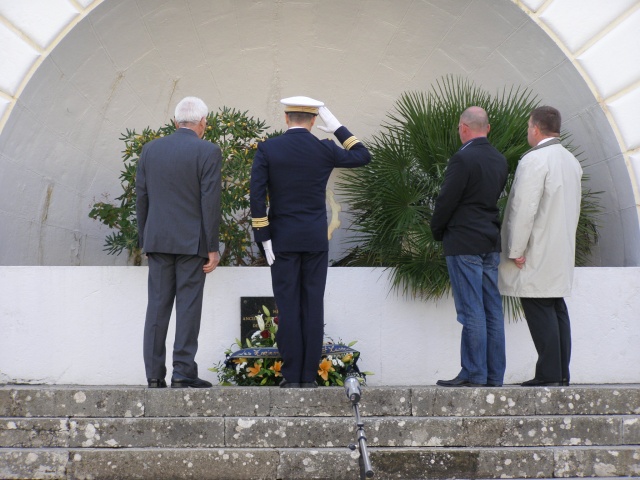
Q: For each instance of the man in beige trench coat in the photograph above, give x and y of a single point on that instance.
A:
(538, 243)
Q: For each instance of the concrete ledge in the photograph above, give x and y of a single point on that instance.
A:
(170, 464)
(330, 464)
(207, 402)
(314, 432)
(33, 463)
(126, 402)
(84, 326)
(597, 462)
(515, 400)
(39, 401)
(287, 434)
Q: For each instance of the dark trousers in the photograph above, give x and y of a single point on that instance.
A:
(299, 280)
(178, 277)
(548, 320)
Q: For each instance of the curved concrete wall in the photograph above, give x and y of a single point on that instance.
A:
(77, 73)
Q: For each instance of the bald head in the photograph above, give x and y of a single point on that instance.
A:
(474, 122)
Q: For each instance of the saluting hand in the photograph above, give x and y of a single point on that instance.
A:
(331, 122)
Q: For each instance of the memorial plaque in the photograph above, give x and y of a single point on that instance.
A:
(249, 308)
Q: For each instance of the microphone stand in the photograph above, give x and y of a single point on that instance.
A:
(352, 389)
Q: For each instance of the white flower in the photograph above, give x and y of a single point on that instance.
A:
(260, 320)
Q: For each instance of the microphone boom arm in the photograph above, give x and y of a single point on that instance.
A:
(352, 389)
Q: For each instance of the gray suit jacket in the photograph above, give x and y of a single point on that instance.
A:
(178, 187)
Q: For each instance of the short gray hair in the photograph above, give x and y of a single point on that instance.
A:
(191, 110)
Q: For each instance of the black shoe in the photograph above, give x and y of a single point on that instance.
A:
(458, 382)
(286, 384)
(313, 384)
(493, 385)
(183, 382)
(156, 383)
(540, 383)
(565, 382)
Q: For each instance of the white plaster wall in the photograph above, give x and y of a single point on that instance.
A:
(74, 74)
(83, 325)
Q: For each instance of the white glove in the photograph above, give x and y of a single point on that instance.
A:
(268, 252)
(331, 122)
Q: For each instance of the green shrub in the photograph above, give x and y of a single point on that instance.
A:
(392, 198)
(238, 135)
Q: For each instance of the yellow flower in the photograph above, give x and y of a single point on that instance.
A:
(255, 370)
(347, 358)
(276, 368)
(238, 361)
(325, 368)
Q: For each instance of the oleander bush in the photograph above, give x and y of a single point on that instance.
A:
(238, 135)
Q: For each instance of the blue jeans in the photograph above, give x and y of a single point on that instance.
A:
(474, 282)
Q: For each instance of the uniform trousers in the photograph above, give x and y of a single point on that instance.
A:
(548, 321)
(299, 280)
(178, 277)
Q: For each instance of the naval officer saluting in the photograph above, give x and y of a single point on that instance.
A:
(292, 170)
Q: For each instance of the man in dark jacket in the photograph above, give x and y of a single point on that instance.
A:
(292, 170)
(466, 220)
(178, 206)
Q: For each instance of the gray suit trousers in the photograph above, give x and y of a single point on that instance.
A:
(178, 277)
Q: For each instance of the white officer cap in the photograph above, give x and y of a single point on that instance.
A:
(301, 104)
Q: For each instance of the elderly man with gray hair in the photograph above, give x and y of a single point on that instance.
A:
(178, 186)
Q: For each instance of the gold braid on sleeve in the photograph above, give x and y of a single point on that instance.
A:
(350, 142)
(260, 222)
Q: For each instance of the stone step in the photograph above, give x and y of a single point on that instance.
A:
(74, 401)
(72, 432)
(319, 432)
(329, 463)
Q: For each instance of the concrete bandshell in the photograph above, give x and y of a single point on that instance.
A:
(101, 67)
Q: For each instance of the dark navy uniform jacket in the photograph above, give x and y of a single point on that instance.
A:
(466, 216)
(292, 170)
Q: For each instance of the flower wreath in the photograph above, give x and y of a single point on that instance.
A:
(258, 362)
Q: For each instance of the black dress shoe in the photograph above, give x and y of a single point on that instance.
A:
(156, 383)
(286, 384)
(313, 384)
(534, 382)
(565, 382)
(183, 382)
(458, 382)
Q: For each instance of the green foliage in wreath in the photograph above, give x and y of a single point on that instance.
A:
(238, 135)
